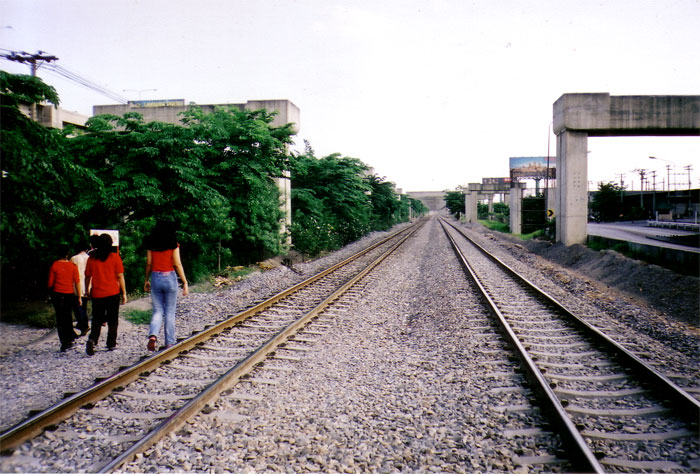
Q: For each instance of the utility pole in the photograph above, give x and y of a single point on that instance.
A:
(34, 64)
(690, 198)
(32, 59)
(653, 205)
(641, 172)
(622, 185)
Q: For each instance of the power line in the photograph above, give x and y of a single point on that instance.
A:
(61, 71)
(40, 58)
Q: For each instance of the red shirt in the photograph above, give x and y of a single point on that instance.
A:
(162, 261)
(62, 275)
(104, 275)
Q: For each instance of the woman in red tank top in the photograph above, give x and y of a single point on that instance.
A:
(163, 266)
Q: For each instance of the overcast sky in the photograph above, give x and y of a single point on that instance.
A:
(432, 94)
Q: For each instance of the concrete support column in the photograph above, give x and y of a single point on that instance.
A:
(284, 185)
(551, 200)
(516, 208)
(490, 198)
(572, 187)
(470, 208)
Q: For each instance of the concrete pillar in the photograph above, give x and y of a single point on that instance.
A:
(284, 185)
(490, 197)
(551, 200)
(516, 208)
(470, 208)
(572, 187)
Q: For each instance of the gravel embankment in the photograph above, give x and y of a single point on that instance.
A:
(35, 375)
(397, 383)
(645, 320)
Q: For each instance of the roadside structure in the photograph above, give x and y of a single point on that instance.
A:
(476, 192)
(51, 116)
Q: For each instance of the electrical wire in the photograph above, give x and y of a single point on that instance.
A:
(61, 71)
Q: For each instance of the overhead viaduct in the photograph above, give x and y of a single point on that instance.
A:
(579, 116)
(433, 200)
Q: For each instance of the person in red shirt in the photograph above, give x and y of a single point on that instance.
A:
(163, 266)
(64, 282)
(104, 276)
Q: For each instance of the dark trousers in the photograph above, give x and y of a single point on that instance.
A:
(105, 310)
(80, 312)
(63, 304)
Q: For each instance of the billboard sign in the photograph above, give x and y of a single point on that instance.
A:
(158, 103)
(533, 167)
(498, 181)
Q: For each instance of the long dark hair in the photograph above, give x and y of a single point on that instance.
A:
(162, 237)
(104, 247)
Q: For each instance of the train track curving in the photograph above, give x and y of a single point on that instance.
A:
(124, 414)
(613, 411)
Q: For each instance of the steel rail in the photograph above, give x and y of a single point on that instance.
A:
(241, 369)
(36, 424)
(685, 405)
(581, 455)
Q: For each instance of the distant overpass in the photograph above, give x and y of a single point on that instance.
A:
(433, 200)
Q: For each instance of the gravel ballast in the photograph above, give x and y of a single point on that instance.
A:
(400, 381)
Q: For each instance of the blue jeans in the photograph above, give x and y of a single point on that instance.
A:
(164, 298)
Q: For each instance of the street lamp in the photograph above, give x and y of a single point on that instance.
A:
(140, 91)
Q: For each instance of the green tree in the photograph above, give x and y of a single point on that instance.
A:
(502, 212)
(147, 171)
(384, 203)
(214, 176)
(417, 207)
(244, 154)
(330, 201)
(606, 205)
(40, 183)
(454, 202)
(482, 210)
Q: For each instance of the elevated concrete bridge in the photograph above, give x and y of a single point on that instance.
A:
(578, 116)
(433, 200)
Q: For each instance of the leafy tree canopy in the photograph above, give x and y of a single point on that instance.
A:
(606, 205)
(215, 175)
(335, 201)
(454, 202)
(39, 179)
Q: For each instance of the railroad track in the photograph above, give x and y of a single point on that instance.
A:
(613, 411)
(122, 415)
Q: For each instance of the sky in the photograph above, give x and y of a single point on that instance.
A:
(431, 94)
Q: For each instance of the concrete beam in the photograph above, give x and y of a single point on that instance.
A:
(495, 188)
(603, 115)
